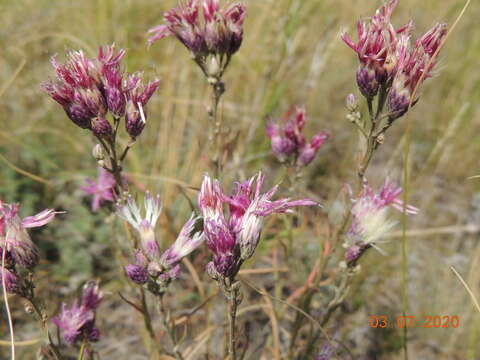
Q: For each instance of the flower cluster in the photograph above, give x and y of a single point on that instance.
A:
(16, 246)
(78, 321)
(370, 220)
(101, 190)
(234, 238)
(388, 60)
(288, 141)
(206, 29)
(88, 89)
(152, 268)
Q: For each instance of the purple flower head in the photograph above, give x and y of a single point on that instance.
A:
(12, 282)
(389, 60)
(89, 88)
(376, 49)
(18, 241)
(77, 88)
(221, 240)
(101, 127)
(138, 94)
(234, 238)
(138, 272)
(78, 321)
(205, 29)
(100, 190)
(145, 225)
(370, 218)
(415, 66)
(186, 242)
(170, 275)
(288, 140)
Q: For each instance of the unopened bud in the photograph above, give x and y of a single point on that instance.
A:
(351, 103)
(380, 139)
(212, 80)
(213, 69)
(101, 127)
(98, 153)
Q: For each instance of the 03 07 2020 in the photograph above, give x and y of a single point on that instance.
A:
(411, 321)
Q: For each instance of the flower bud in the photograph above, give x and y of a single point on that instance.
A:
(137, 273)
(101, 127)
(367, 81)
(116, 101)
(398, 100)
(98, 153)
(213, 68)
(134, 123)
(79, 116)
(351, 103)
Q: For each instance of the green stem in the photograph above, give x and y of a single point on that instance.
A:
(232, 292)
(39, 311)
(169, 328)
(216, 123)
(82, 349)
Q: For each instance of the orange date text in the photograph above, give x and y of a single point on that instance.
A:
(410, 321)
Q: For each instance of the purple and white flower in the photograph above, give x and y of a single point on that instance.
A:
(289, 142)
(205, 29)
(89, 88)
(78, 321)
(101, 190)
(233, 238)
(14, 236)
(144, 224)
(371, 220)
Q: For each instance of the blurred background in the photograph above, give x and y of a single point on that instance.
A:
(292, 54)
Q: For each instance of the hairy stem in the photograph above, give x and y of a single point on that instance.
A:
(42, 317)
(216, 123)
(232, 290)
(170, 328)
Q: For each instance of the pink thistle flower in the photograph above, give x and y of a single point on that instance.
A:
(377, 49)
(89, 88)
(205, 29)
(101, 190)
(15, 236)
(370, 218)
(234, 238)
(415, 66)
(288, 141)
(161, 270)
(138, 95)
(145, 225)
(184, 245)
(78, 321)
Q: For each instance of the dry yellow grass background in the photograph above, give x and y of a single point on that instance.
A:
(292, 54)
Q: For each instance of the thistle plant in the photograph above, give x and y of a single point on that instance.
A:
(153, 270)
(19, 257)
(233, 238)
(290, 145)
(370, 222)
(212, 34)
(99, 96)
(91, 89)
(391, 70)
(77, 323)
